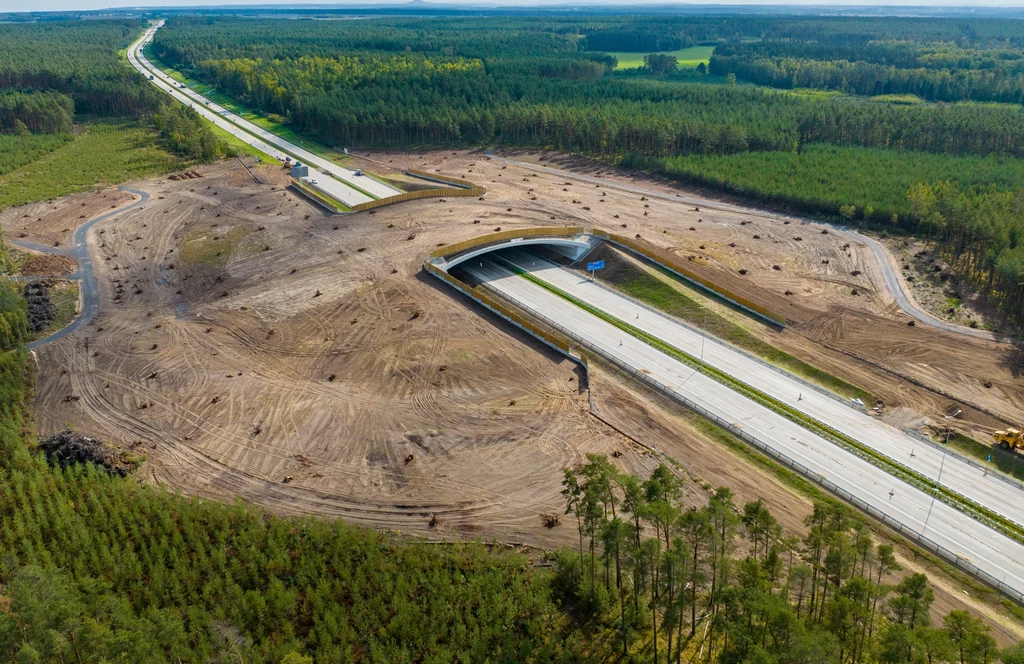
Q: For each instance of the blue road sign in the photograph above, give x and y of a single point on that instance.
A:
(596, 265)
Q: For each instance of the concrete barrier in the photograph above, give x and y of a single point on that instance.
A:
(503, 236)
(459, 188)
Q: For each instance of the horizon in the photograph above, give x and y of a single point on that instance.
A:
(942, 6)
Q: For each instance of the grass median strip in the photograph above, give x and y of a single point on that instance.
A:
(891, 466)
(660, 292)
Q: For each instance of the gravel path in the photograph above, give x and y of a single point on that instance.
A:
(79, 250)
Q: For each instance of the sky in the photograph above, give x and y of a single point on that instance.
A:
(65, 5)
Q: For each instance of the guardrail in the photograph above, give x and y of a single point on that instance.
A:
(491, 238)
(315, 196)
(673, 266)
(459, 188)
(998, 474)
(955, 559)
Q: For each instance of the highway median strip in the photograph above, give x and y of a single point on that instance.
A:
(886, 463)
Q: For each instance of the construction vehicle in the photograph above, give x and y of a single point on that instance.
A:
(1009, 439)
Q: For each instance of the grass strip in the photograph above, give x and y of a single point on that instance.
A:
(662, 296)
(891, 466)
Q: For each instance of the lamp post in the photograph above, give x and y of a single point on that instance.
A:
(703, 333)
(938, 483)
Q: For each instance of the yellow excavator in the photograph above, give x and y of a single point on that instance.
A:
(1009, 439)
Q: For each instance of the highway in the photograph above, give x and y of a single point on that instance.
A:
(991, 551)
(986, 489)
(348, 186)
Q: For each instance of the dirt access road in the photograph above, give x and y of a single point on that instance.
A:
(79, 251)
(895, 285)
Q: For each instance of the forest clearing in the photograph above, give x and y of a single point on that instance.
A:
(301, 360)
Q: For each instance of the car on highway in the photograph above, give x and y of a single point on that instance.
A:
(359, 171)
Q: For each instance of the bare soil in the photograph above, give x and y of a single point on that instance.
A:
(304, 362)
(45, 265)
(934, 287)
(52, 223)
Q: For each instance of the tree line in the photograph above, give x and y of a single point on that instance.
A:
(724, 583)
(51, 71)
(35, 112)
(80, 59)
(864, 78)
(979, 233)
(186, 133)
(403, 82)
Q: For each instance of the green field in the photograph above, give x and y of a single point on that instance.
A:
(16, 151)
(688, 58)
(105, 153)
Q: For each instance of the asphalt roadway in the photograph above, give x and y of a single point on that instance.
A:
(967, 538)
(892, 281)
(347, 190)
(79, 250)
(968, 480)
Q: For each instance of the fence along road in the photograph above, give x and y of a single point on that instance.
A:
(964, 478)
(259, 138)
(999, 558)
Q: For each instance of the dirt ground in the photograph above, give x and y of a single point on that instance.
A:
(254, 346)
(44, 265)
(930, 280)
(51, 223)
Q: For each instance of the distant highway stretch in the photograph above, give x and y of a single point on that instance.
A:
(986, 548)
(345, 185)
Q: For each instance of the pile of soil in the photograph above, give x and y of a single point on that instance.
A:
(68, 447)
(48, 265)
(40, 310)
